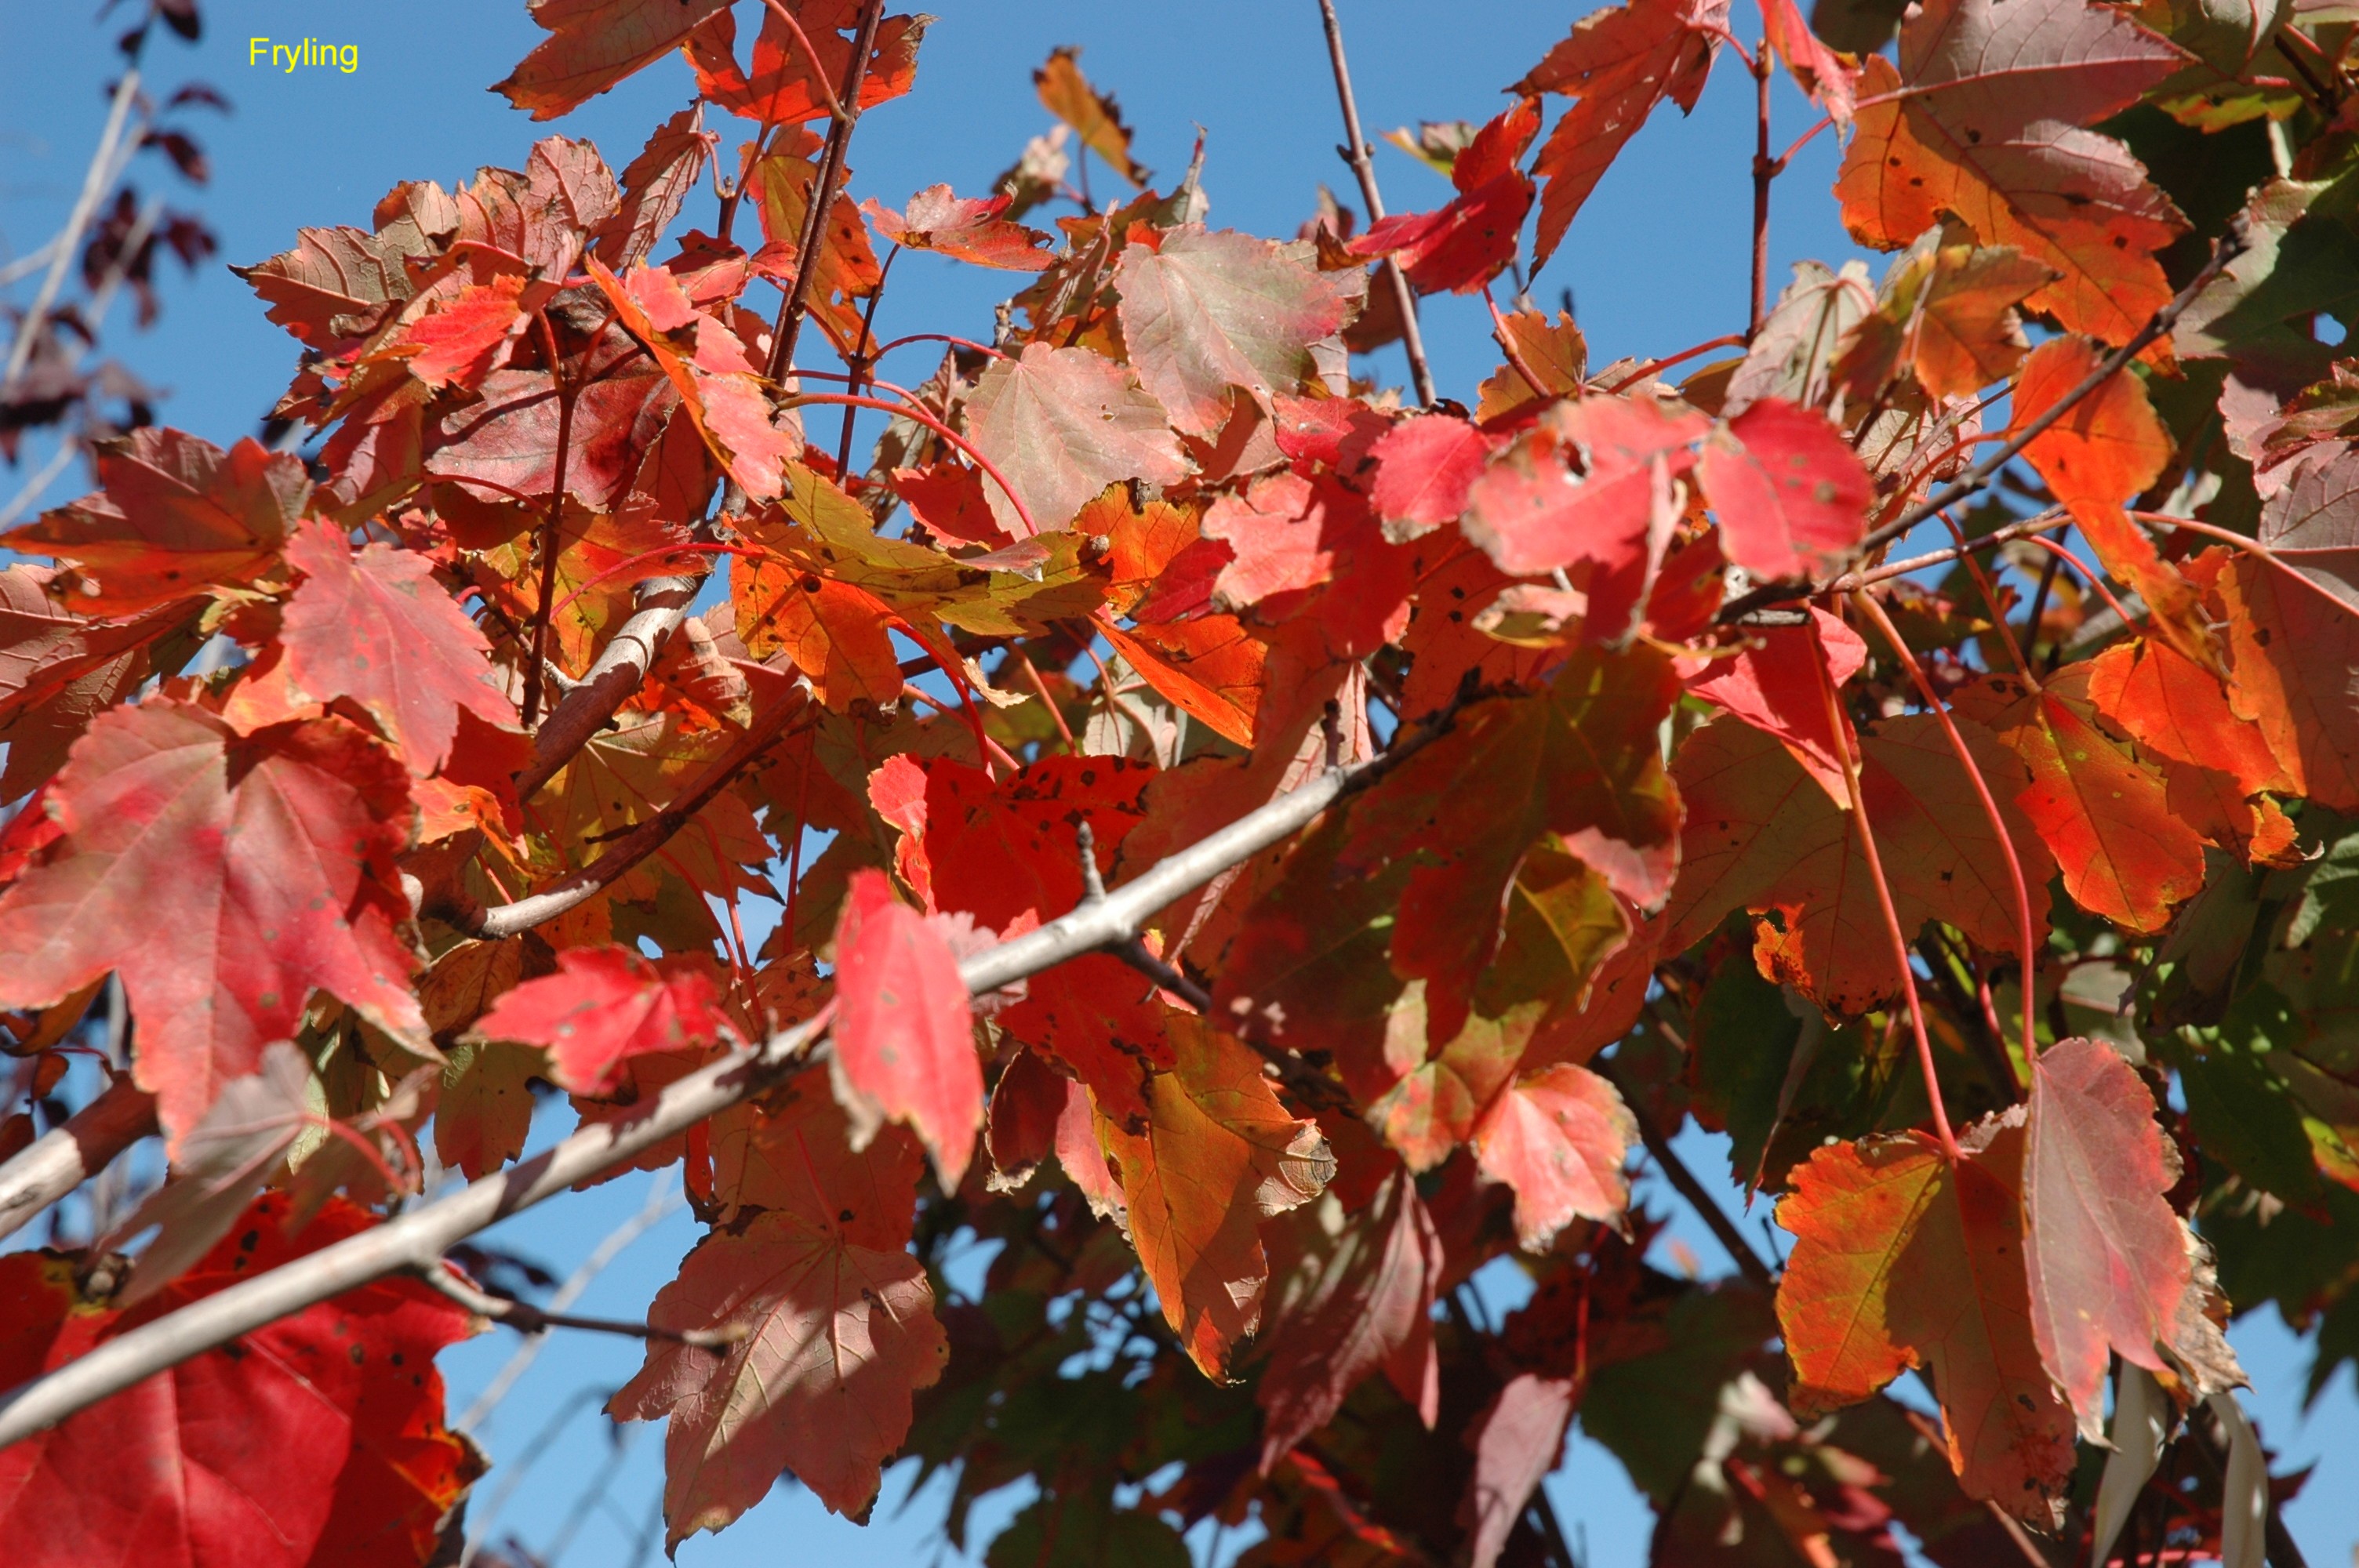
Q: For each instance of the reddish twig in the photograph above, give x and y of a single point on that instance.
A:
(1364, 168)
(1056, 714)
(2089, 575)
(955, 342)
(2024, 925)
(544, 607)
(792, 309)
(1899, 939)
(1763, 172)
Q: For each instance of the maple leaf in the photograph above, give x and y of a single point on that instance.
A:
(456, 342)
(973, 230)
(1067, 93)
(2106, 814)
(789, 85)
(838, 1320)
(1559, 1137)
(1203, 312)
(2291, 647)
(1790, 494)
(173, 515)
(58, 671)
(833, 633)
(1982, 120)
(904, 1033)
(1061, 425)
(1530, 514)
(2215, 764)
(1289, 535)
(1948, 313)
(317, 1439)
(714, 376)
(1775, 684)
(604, 1006)
(509, 438)
(1517, 1440)
(1460, 247)
(1580, 761)
(1830, 76)
(222, 877)
(1217, 1156)
(1350, 1295)
(592, 45)
(1903, 1259)
(334, 285)
(223, 1161)
(1617, 67)
(1553, 351)
(654, 186)
(375, 626)
(1008, 853)
(1426, 468)
(2312, 523)
(1761, 835)
(2105, 1260)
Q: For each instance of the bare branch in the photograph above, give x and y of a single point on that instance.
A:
(420, 1239)
(1743, 608)
(60, 1161)
(661, 604)
(1355, 153)
(105, 168)
(1733, 1241)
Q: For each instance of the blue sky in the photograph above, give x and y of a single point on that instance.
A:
(1657, 261)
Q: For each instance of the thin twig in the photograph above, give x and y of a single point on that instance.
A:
(422, 1237)
(526, 1318)
(1355, 153)
(663, 1196)
(2223, 251)
(552, 536)
(791, 309)
(1763, 172)
(1738, 609)
(1733, 1241)
(104, 169)
(511, 919)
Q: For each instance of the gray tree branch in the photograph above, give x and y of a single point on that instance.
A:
(65, 1157)
(416, 1242)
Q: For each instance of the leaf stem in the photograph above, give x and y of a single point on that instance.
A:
(1354, 152)
(1899, 939)
(1023, 513)
(835, 108)
(2026, 949)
